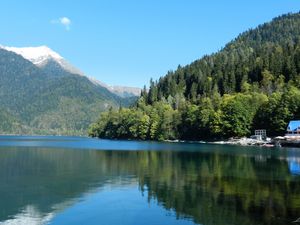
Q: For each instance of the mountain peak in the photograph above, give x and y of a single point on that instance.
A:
(53, 63)
(37, 55)
(42, 55)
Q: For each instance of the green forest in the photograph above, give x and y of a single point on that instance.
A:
(251, 83)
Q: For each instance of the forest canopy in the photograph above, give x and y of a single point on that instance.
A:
(252, 83)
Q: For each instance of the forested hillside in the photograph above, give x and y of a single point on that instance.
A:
(48, 100)
(253, 82)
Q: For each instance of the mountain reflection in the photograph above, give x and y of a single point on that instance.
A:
(209, 188)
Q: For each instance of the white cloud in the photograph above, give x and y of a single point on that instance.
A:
(65, 21)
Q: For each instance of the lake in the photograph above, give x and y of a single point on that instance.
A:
(74, 180)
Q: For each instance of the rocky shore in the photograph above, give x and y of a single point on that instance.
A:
(288, 141)
(246, 142)
(280, 141)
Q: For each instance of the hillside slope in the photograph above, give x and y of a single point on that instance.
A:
(253, 82)
(48, 99)
(272, 46)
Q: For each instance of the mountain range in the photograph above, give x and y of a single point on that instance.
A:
(42, 93)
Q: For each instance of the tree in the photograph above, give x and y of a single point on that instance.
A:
(267, 81)
(143, 129)
(237, 116)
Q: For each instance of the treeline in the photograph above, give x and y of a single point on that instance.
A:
(273, 47)
(215, 116)
(252, 83)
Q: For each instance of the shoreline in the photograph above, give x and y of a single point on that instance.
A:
(276, 142)
(231, 141)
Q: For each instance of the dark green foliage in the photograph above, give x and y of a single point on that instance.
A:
(281, 107)
(253, 82)
(237, 114)
(258, 55)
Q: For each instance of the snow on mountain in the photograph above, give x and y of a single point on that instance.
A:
(36, 55)
(42, 55)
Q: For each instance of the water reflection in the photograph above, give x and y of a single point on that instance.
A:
(56, 185)
(294, 163)
(29, 215)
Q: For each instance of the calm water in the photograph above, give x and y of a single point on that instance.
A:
(67, 180)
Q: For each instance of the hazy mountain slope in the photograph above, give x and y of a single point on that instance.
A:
(122, 91)
(48, 99)
(19, 79)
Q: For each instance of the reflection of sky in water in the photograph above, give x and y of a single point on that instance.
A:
(124, 206)
(114, 205)
(293, 159)
(294, 167)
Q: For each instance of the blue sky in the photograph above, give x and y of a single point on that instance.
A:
(128, 42)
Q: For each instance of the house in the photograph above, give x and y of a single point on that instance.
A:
(293, 128)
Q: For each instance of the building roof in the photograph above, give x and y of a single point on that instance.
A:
(293, 125)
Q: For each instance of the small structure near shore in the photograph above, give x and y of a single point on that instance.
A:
(293, 129)
(260, 135)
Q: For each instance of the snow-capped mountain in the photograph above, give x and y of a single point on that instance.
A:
(48, 99)
(53, 63)
(42, 56)
(37, 55)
